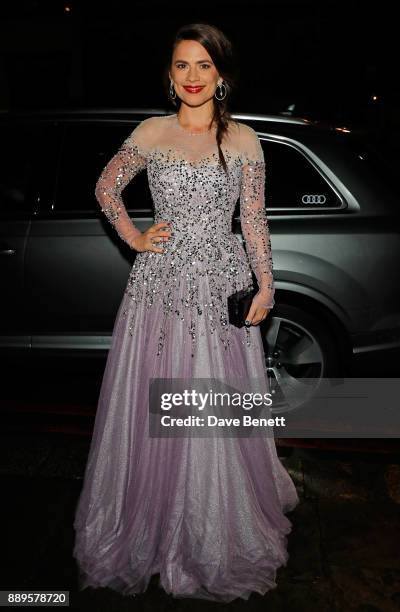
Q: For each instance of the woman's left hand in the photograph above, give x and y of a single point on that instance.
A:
(258, 310)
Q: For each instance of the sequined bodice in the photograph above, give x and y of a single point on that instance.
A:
(199, 200)
(191, 189)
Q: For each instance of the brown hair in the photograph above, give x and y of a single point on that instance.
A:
(221, 52)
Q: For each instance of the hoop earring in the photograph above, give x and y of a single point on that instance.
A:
(220, 90)
(172, 92)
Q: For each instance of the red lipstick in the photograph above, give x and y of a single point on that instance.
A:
(192, 89)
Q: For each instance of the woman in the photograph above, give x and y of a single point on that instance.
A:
(205, 513)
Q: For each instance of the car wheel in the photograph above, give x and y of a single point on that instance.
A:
(299, 352)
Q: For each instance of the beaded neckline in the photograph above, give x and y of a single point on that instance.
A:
(191, 133)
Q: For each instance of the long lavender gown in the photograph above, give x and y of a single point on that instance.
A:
(206, 513)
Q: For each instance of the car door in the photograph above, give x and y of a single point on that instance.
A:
(78, 266)
(19, 156)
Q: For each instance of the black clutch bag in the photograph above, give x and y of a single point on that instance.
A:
(239, 305)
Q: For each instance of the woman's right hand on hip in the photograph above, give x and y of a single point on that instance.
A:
(146, 241)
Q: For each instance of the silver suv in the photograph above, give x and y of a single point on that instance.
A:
(333, 209)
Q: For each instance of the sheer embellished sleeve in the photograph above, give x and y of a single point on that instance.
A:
(253, 215)
(130, 159)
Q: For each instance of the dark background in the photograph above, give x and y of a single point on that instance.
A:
(332, 60)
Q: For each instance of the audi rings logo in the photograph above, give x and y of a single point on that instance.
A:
(313, 199)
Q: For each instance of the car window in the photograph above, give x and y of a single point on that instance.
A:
(86, 150)
(293, 182)
(17, 165)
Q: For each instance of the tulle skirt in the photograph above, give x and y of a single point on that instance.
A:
(205, 513)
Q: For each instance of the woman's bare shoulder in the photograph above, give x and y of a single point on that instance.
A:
(148, 131)
(241, 135)
(152, 124)
(246, 141)
(244, 131)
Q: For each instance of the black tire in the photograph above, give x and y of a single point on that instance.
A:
(300, 351)
(318, 328)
